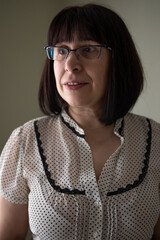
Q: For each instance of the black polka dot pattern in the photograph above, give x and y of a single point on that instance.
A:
(48, 164)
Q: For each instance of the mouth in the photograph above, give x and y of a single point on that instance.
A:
(75, 85)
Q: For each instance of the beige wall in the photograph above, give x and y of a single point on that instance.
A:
(23, 29)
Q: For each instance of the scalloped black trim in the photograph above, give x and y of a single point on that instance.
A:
(76, 191)
(144, 169)
(72, 128)
(45, 165)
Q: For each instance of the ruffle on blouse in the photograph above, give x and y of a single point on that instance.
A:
(80, 133)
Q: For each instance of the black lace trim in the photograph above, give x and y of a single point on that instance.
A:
(144, 169)
(76, 191)
(72, 128)
(45, 165)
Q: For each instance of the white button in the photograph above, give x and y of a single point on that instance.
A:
(94, 234)
(97, 203)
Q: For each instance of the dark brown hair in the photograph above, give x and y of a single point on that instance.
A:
(104, 26)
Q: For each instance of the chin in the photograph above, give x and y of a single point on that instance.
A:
(76, 103)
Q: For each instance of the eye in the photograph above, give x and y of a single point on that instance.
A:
(62, 51)
(89, 49)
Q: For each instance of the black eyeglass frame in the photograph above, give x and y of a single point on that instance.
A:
(74, 50)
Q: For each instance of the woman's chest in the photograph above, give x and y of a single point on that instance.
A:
(130, 215)
(101, 152)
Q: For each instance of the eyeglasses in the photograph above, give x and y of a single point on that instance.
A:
(85, 52)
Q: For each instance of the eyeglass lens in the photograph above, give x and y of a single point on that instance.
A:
(87, 52)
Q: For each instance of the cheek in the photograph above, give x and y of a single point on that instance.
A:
(58, 74)
(56, 70)
(100, 75)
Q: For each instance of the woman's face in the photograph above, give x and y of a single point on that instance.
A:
(88, 76)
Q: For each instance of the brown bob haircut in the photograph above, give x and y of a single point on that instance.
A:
(104, 26)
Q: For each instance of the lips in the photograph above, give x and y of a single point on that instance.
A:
(74, 85)
(75, 82)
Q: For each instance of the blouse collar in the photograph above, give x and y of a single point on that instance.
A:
(71, 124)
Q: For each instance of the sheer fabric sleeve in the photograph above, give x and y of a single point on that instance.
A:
(156, 148)
(13, 185)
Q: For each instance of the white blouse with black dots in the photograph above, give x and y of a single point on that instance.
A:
(48, 164)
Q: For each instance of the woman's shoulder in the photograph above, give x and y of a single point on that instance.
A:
(140, 119)
(29, 125)
(27, 130)
(142, 124)
(41, 119)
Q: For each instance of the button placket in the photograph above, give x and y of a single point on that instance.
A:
(88, 177)
(89, 182)
(96, 220)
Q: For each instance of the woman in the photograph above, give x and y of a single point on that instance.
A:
(89, 169)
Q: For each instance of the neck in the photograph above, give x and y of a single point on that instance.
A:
(87, 119)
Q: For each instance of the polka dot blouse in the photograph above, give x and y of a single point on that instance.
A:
(48, 164)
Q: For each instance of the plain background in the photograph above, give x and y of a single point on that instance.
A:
(23, 30)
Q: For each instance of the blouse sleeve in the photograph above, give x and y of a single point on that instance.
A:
(13, 185)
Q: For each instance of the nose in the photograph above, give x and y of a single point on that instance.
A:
(72, 63)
